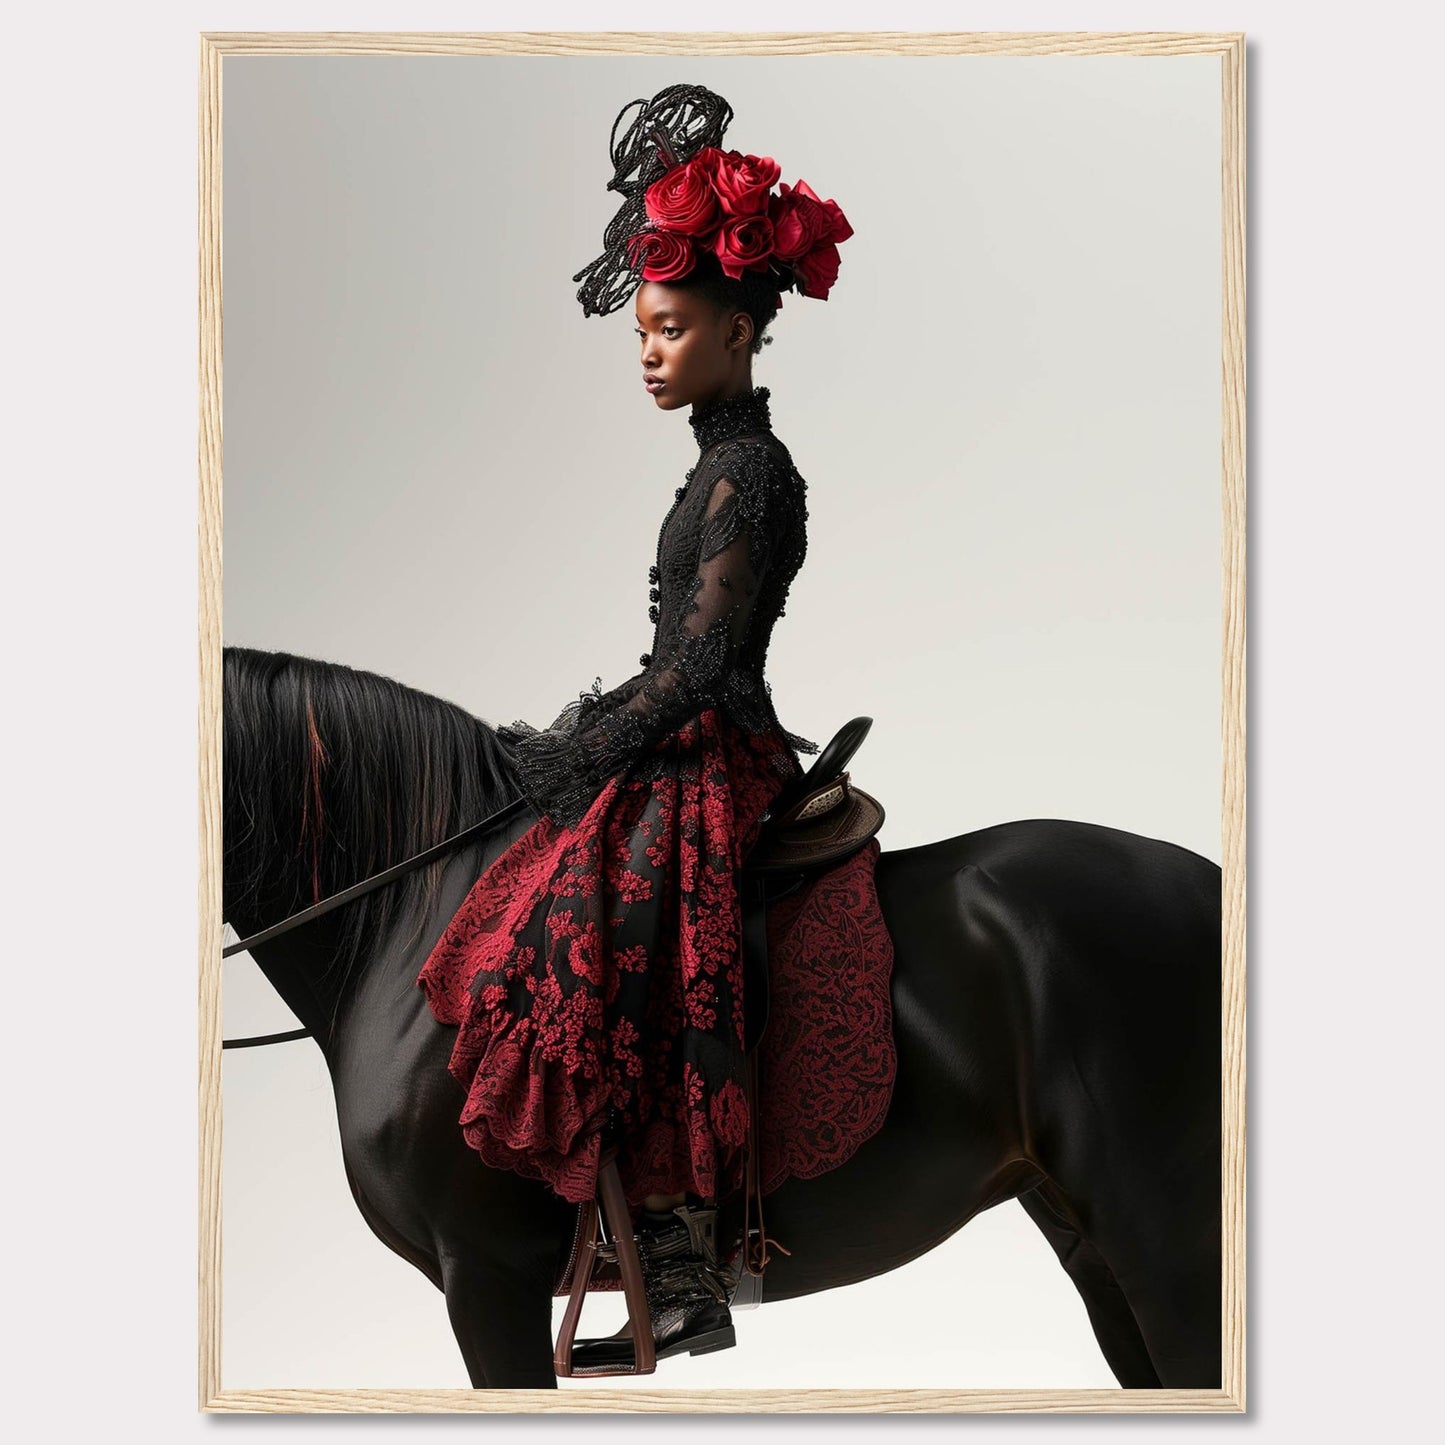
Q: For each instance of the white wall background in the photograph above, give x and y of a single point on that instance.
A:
(437, 468)
(98, 595)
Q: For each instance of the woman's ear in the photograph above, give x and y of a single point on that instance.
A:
(740, 332)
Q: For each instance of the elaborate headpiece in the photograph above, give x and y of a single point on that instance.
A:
(686, 197)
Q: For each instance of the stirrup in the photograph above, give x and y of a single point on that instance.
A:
(623, 1235)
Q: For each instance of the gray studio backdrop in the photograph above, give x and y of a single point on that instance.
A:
(1008, 413)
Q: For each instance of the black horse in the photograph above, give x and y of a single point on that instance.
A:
(1056, 1004)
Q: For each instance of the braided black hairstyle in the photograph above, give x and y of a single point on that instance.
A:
(667, 130)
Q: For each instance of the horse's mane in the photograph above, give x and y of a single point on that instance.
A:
(332, 774)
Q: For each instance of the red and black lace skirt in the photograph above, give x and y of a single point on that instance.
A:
(594, 975)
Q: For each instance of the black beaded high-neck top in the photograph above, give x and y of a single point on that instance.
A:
(727, 552)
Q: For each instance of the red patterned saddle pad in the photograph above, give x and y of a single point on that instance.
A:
(826, 1061)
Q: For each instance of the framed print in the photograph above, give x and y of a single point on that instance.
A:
(740, 910)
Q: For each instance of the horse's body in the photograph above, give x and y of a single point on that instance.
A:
(1057, 1019)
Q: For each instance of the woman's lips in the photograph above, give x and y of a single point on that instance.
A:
(651, 383)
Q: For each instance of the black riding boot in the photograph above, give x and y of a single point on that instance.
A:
(687, 1292)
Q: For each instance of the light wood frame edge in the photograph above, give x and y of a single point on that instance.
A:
(1230, 46)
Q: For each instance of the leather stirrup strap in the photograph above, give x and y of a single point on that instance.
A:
(581, 1274)
(622, 1230)
(755, 1254)
(756, 986)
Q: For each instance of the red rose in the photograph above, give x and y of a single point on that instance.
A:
(683, 200)
(666, 255)
(744, 243)
(706, 161)
(799, 224)
(802, 220)
(817, 270)
(742, 182)
(838, 227)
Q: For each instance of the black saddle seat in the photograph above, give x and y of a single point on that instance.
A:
(819, 817)
(826, 768)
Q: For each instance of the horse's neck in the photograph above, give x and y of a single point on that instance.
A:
(302, 967)
(306, 967)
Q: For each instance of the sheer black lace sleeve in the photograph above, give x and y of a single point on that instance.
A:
(562, 768)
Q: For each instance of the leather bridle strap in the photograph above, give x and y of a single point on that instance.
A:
(257, 1040)
(347, 895)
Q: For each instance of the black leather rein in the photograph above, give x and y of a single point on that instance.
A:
(346, 895)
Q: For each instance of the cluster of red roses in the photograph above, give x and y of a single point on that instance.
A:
(722, 202)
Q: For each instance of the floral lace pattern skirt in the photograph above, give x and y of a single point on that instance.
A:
(594, 975)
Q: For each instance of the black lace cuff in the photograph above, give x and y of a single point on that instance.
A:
(552, 770)
(559, 776)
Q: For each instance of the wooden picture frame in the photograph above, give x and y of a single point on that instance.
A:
(667, 1392)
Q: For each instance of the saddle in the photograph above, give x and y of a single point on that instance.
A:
(817, 821)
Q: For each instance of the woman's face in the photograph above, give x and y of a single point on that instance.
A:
(695, 350)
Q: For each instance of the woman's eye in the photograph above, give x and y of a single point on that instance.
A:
(638, 331)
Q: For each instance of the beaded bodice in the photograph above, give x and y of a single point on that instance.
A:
(727, 552)
(743, 485)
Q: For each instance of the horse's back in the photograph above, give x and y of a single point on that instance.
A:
(1085, 912)
(1057, 984)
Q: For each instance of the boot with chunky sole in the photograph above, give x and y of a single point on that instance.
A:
(687, 1293)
